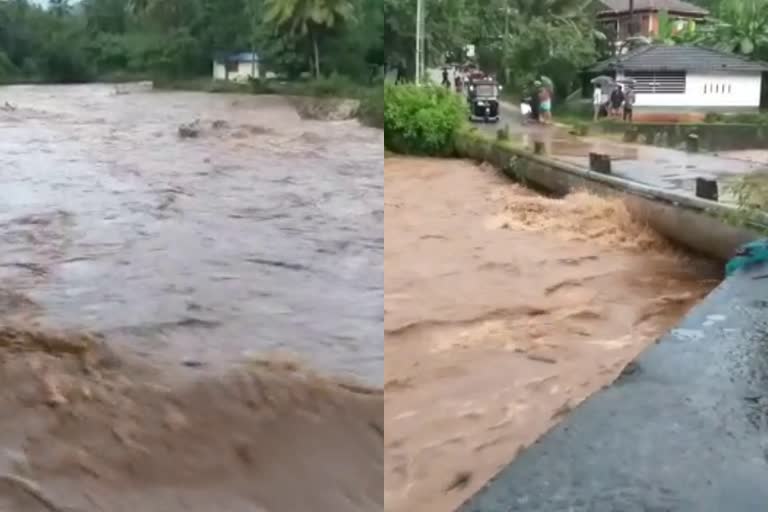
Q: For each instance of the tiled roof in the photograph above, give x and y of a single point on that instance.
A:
(678, 6)
(678, 58)
(236, 57)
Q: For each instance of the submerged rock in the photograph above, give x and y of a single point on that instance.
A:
(189, 131)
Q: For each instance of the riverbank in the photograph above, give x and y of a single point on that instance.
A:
(369, 99)
(541, 303)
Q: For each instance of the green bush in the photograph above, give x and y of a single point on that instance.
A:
(713, 117)
(422, 120)
(747, 118)
(65, 62)
(756, 118)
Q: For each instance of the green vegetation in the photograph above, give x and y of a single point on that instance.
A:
(422, 120)
(750, 195)
(175, 40)
(522, 39)
(516, 39)
(740, 26)
(753, 118)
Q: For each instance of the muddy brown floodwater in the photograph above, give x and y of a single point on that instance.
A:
(264, 233)
(505, 309)
(188, 323)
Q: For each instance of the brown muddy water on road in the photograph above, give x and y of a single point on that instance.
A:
(264, 233)
(505, 309)
(235, 282)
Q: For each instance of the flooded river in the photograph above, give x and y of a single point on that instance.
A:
(504, 310)
(264, 233)
(258, 242)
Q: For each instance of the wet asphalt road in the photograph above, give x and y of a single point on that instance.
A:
(685, 429)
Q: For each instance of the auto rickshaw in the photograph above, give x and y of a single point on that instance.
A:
(483, 98)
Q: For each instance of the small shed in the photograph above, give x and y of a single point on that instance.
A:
(237, 67)
(687, 77)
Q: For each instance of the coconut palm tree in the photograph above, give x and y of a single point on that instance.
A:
(309, 18)
(741, 27)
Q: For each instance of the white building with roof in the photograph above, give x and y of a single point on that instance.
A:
(688, 77)
(237, 67)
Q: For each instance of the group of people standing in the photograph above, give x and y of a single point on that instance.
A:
(616, 102)
(458, 80)
(537, 106)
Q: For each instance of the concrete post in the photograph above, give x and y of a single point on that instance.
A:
(599, 162)
(692, 143)
(707, 189)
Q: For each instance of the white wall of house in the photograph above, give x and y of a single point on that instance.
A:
(712, 90)
(243, 72)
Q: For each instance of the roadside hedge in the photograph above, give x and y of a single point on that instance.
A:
(422, 120)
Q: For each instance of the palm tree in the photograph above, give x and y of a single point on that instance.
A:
(741, 27)
(309, 18)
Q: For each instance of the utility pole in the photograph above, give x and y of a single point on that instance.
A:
(507, 11)
(631, 18)
(419, 41)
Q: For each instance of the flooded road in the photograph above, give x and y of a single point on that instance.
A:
(503, 311)
(669, 169)
(264, 233)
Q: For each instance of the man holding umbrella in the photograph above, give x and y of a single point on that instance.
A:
(601, 96)
(629, 99)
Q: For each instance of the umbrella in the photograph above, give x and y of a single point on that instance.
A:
(602, 80)
(548, 83)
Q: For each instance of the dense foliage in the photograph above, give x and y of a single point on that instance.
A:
(422, 120)
(516, 39)
(79, 41)
(521, 39)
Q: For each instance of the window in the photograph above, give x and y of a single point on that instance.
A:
(716, 88)
(231, 65)
(486, 90)
(658, 82)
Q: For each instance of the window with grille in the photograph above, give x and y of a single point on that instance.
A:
(658, 82)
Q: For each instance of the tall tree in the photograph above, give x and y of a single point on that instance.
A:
(741, 26)
(310, 18)
(59, 7)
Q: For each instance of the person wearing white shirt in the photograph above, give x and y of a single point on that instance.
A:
(597, 101)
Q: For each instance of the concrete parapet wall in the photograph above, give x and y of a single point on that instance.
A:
(697, 224)
(712, 136)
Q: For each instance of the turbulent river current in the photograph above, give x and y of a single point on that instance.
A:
(264, 233)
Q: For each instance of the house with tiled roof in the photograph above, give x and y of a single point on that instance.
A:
(687, 77)
(615, 18)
